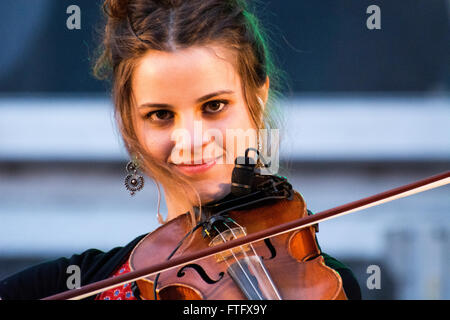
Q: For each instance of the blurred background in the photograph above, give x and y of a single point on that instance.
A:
(367, 110)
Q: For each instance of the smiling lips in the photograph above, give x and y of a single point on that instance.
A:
(196, 168)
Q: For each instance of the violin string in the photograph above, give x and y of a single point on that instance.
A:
(250, 263)
(240, 266)
(232, 271)
(258, 259)
(246, 256)
(274, 288)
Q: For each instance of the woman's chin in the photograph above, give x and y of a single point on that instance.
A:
(213, 192)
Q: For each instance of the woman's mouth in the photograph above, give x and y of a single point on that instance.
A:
(196, 168)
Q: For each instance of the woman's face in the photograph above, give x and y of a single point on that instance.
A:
(190, 110)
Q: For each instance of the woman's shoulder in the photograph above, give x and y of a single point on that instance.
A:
(51, 277)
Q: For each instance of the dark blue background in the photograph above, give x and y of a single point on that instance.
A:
(322, 45)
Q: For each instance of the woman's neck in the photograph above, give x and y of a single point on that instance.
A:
(175, 207)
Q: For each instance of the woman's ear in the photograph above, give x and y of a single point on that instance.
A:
(264, 90)
(262, 97)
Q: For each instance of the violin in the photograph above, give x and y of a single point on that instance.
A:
(256, 244)
(288, 266)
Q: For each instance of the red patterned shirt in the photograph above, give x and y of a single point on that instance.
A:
(122, 292)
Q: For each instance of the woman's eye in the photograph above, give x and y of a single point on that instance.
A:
(159, 115)
(215, 106)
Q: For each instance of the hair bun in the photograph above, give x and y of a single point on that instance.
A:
(118, 9)
(168, 3)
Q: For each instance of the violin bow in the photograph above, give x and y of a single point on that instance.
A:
(371, 201)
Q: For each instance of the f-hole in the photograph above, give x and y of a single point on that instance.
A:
(271, 248)
(201, 272)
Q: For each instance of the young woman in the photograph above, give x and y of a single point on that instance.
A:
(188, 78)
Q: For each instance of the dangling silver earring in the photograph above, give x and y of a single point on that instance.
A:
(133, 181)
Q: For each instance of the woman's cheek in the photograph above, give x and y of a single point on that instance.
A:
(158, 146)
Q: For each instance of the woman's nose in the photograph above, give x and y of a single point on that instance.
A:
(190, 139)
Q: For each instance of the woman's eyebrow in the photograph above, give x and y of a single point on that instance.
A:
(210, 95)
(199, 100)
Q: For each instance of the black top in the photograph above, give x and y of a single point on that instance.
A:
(49, 278)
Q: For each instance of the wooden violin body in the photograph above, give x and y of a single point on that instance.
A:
(292, 260)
